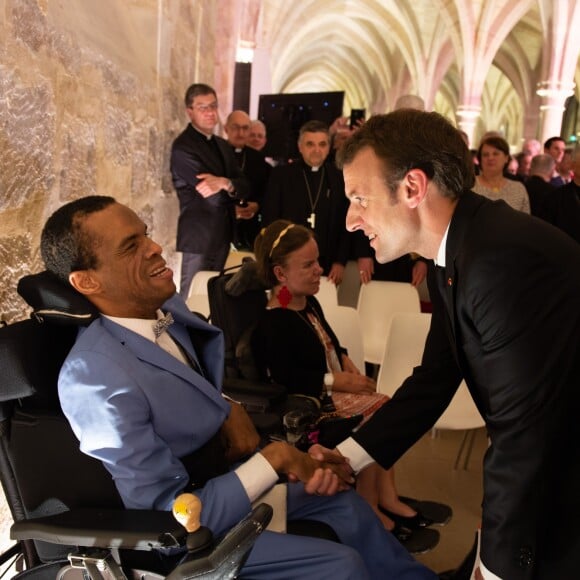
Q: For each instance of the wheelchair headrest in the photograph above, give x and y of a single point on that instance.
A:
(54, 301)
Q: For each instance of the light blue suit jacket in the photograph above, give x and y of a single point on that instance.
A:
(138, 409)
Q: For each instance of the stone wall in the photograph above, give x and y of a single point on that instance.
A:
(90, 101)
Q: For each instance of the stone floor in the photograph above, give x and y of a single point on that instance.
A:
(425, 472)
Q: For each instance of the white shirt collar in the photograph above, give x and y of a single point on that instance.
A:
(141, 326)
(440, 259)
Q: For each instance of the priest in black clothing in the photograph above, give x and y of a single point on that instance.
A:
(257, 170)
(208, 183)
(310, 192)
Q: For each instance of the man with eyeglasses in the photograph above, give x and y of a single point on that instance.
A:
(208, 182)
(257, 170)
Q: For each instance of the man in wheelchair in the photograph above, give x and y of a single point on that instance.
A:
(141, 389)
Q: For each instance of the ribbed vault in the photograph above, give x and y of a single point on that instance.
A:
(454, 53)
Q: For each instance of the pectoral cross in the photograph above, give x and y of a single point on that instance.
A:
(311, 220)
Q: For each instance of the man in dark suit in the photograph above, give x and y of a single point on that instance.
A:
(506, 318)
(562, 207)
(538, 183)
(207, 180)
(254, 166)
(310, 192)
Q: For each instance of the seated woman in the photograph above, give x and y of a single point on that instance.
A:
(297, 348)
(494, 156)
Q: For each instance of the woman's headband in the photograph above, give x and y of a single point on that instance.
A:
(280, 236)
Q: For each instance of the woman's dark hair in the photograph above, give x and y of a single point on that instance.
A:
(274, 244)
(496, 142)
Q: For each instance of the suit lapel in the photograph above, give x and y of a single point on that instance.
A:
(151, 353)
(467, 206)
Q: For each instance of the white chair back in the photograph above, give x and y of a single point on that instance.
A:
(404, 349)
(198, 301)
(345, 323)
(377, 302)
(403, 352)
(199, 282)
(327, 295)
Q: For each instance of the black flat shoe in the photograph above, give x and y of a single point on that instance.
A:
(438, 513)
(411, 522)
(417, 541)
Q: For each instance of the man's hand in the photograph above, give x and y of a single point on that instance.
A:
(239, 434)
(319, 477)
(336, 273)
(248, 212)
(209, 184)
(366, 269)
(333, 457)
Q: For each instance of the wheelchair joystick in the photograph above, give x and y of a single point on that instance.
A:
(187, 511)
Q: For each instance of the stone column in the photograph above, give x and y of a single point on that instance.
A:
(467, 116)
(553, 95)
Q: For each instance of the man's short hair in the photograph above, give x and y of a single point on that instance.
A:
(64, 246)
(197, 90)
(313, 127)
(552, 140)
(542, 165)
(409, 139)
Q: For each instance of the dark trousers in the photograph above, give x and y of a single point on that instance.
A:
(191, 264)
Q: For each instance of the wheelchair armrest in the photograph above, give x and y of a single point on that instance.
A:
(230, 554)
(255, 396)
(104, 528)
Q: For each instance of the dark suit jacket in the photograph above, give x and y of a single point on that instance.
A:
(287, 198)
(205, 224)
(538, 191)
(506, 318)
(562, 209)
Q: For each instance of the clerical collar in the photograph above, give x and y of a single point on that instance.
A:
(141, 326)
(440, 259)
(238, 149)
(206, 137)
(310, 168)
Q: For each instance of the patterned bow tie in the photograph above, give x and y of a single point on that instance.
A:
(161, 325)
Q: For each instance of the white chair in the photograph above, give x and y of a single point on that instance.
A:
(377, 302)
(198, 303)
(345, 323)
(199, 281)
(197, 300)
(403, 352)
(235, 257)
(327, 295)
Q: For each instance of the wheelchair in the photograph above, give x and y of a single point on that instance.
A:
(69, 521)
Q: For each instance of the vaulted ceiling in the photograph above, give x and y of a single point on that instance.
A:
(446, 51)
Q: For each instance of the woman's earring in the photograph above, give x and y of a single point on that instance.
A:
(284, 296)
